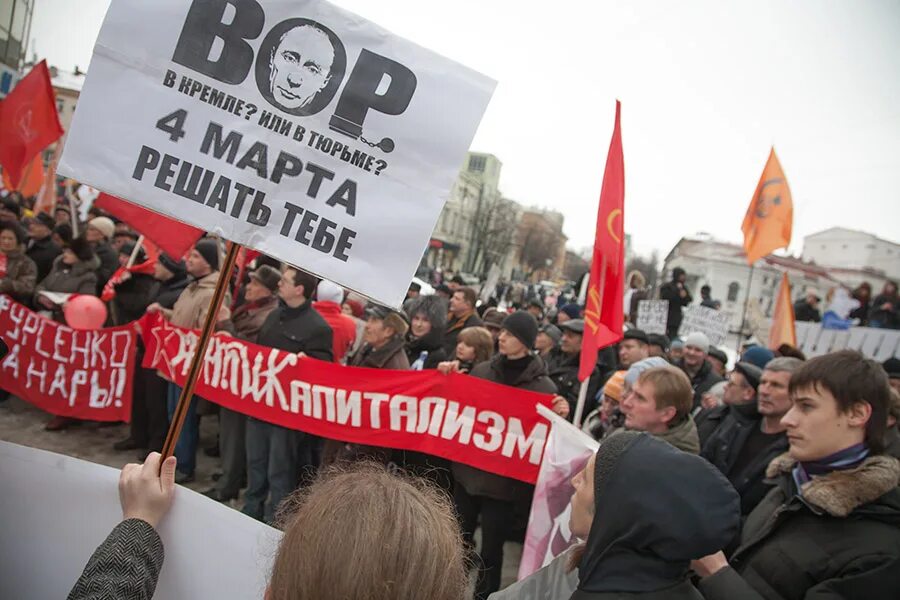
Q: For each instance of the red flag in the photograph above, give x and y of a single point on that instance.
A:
(173, 237)
(29, 122)
(603, 311)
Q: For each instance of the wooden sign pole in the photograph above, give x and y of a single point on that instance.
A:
(200, 352)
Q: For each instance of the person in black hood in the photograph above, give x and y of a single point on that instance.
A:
(428, 320)
(645, 511)
(173, 277)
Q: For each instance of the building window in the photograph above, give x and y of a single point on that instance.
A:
(733, 289)
(477, 163)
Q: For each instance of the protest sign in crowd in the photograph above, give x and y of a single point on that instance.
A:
(608, 431)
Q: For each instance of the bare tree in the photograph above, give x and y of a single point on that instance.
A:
(539, 247)
(493, 226)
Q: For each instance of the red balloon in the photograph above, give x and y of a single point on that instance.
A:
(85, 312)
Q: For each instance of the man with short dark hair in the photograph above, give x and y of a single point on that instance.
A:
(830, 526)
(563, 363)
(462, 315)
(749, 433)
(634, 347)
(696, 367)
(659, 403)
(41, 248)
(276, 455)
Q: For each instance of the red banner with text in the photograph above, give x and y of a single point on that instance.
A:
(489, 426)
(65, 371)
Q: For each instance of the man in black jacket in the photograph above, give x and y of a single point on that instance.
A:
(807, 308)
(751, 435)
(462, 315)
(42, 249)
(696, 367)
(678, 296)
(563, 363)
(830, 527)
(277, 455)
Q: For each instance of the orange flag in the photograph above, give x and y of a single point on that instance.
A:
(783, 330)
(770, 216)
(32, 178)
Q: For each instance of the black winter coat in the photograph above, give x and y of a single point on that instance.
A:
(888, 319)
(168, 291)
(702, 381)
(432, 343)
(43, 253)
(840, 540)
(724, 446)
(481, 483)
(295, 330)
(562, 368)
(109, 263)
(132, 298)
(672, 292)
(804, 312)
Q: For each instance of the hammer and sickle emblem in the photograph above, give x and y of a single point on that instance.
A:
(609, 224)
(765, 200)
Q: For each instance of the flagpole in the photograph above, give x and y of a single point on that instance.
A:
(740, 337)
(582, 391)
(134, 253)
(212, 313)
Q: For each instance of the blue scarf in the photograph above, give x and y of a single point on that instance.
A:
(845, 459)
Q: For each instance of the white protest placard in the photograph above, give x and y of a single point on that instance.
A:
(652, 316)
(55, 510)
(293, 127)
(713, 323)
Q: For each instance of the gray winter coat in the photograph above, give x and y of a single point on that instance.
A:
(124, 567)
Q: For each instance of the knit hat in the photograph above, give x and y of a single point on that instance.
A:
(757, 355)
(642, 365)
(433, 308)
(104, 225)
(175, 267)
(677, 343)
(658, 339)
(493, 318)
(697, 340)
(615, 385)
(573, 310)
(523, 326)
(209, 250)
(267, 277)
(751, 373)
(81, 249)
(552, 331)
(328, 291)
(127, 248)
(892, 367)
(637, 334)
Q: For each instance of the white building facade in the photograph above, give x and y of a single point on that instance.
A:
(853, 256)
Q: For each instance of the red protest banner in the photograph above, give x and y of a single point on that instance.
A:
(461, 418)
(65, 371)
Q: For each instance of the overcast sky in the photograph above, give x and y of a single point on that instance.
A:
(706, 88)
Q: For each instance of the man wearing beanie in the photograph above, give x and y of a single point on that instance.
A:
(329, 298)
(491, 496)
(190, 312)
(696, 367)
(99, 233)
(245, 323)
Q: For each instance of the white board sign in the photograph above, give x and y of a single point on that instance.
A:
(714, 323)
(652, 316)
(55, 510)
(293, 127)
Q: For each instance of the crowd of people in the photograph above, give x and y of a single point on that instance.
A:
(775, 478)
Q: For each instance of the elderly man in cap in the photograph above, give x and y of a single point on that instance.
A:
(696, 367)
(750, 434)
(276, 455)
(659, 345)
(492, 321)
(548, 338)
(718, 360)
(563, 363)
(41, 247)
(99, 234)
(245, 323)
(634, 347)
(189, 312)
